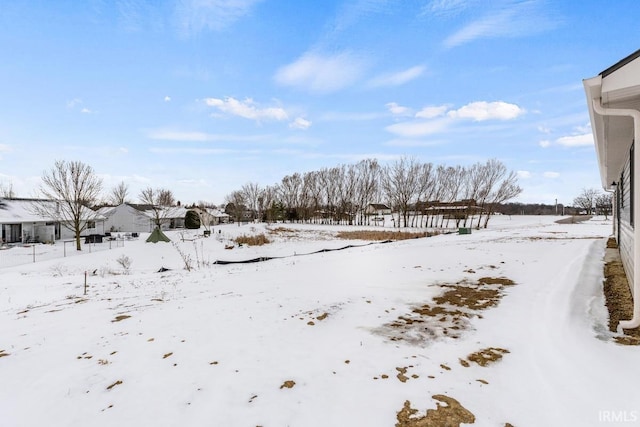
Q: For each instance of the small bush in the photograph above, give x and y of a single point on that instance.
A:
(125, 262)
(257, 240)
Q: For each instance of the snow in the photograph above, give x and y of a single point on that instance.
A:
(215, 345)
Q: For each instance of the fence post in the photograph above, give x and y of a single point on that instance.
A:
(85, 282)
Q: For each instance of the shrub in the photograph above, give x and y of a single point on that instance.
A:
(192, 220)
(125, 262)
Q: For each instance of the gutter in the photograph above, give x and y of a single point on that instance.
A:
(634, 322)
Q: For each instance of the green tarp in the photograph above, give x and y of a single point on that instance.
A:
(157, 236)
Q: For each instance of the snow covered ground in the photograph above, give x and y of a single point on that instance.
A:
(340, 338)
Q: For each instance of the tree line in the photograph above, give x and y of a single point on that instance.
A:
(418, 194)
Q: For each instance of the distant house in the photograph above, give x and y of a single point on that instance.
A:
(134, 218)
(210, 217)
(19, 223)
(613, 101)
(377, 209)
(126, 218)
(459, 209)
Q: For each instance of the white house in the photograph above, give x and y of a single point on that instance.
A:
(126, 218)
(20, 223)
(378, 209)
(613, 100)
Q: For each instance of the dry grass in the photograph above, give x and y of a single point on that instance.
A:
(257, 240)
(618, 298)
(487, 356)
(448, 412)
(281, 230)
(449, 314)
(376, 235)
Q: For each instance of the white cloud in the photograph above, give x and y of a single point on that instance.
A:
(524, 174)
(74, 102)
(481, 110)
(167, 98)
(398, 110)
(514, 19)
(576, 140)
(445, 8)
(173, 135)
(419, 128)
(300, 123)
(86, 111)
(247, 109)
(4, 148)
(398, 78)
(194, 16)
(438, 119)
(322, 74)
(544, 143)
(551, 175)
(413, 143)
(334, 116)
(432, 112)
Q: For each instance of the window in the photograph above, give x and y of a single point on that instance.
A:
(91, 224)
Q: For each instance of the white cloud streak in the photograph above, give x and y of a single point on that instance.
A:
(399, 78)
(247, 109)
(514, 19)
(576, 140)
(186, 136)
(195, 16)
(300, 123)
(318, 73)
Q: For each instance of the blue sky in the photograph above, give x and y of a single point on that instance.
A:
(203, 96)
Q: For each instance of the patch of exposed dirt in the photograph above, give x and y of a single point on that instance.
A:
(451, 414)
(121, 317)
(288, 384)
(618, 298)
(486, 356)
(450, 313)
(4, 353)
(114, 384)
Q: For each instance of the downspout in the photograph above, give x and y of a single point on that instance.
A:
(635, 115)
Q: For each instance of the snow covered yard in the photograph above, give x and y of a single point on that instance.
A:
(505, 325)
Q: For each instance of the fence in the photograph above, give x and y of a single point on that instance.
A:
(11, 256)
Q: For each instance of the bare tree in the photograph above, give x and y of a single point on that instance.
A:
(290, 189)
(69, 189)
(604, 204)
(400, 184)
(586, 200)
(368, 185)
(158, 200)
(236, 204)
(507, 190)
(119, 194)
(252, 192)
(6, 190)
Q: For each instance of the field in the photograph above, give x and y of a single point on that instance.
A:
(504, 326)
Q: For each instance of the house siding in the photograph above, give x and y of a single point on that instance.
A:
(625, 230)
